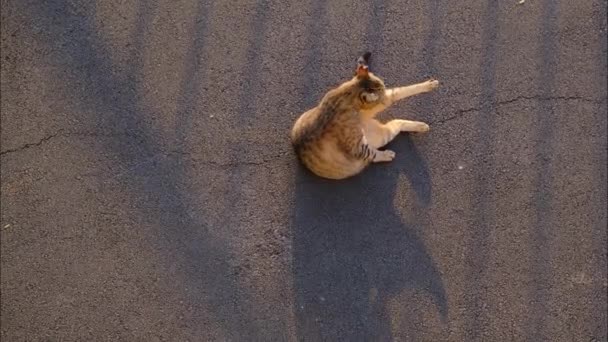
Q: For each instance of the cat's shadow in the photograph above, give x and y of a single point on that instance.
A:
(352, 252)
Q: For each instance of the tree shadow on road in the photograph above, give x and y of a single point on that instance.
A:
(543, 199)
(153, 175)
(483, 201)
(352, 252)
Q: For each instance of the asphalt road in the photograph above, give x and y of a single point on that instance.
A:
(149, 192)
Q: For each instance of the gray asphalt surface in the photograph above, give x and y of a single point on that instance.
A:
(149, 192)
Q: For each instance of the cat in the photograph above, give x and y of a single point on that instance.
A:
(340, 137)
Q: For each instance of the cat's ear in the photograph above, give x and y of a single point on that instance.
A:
(363, 65)
(362, 70)
(364, 59)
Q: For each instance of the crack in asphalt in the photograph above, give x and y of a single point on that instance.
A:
(457, 115)
(460, 112)
(28, 145)
(59, 133)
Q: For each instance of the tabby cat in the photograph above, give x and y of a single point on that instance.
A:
(340, 136)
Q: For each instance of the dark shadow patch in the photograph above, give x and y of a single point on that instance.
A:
(314, 47)
(483, 203)
(429, 52)
(191, 82)
(543, 195)
(601, 177)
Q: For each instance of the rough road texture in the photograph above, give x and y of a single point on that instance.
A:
(149, 192)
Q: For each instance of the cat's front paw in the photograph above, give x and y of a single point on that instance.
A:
(431, 84)
(422, 127)
(384, 156)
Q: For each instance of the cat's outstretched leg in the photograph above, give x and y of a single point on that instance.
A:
(395, 94)
(378, 134)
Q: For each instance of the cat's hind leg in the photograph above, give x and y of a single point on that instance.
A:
(378, 134)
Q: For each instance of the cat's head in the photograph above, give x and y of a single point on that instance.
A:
(370, 87)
